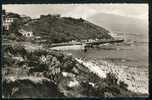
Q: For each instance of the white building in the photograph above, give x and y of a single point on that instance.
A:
(7, 23)
(26, 33)
(6, 20)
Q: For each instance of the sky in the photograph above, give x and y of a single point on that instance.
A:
(79, 10)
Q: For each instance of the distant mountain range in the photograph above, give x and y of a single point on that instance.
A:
(117, 23)
(134, 28)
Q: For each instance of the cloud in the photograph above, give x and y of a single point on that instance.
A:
(80, 10)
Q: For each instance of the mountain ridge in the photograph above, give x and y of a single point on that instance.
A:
(118, 23)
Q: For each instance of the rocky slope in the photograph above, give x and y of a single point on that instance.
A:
(135, 78)
(50, 73)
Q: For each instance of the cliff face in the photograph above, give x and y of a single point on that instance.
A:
(43, 73)
(62, 29)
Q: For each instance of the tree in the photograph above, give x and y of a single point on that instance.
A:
(14, 27)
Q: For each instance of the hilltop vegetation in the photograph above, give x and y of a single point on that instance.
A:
(62, 29)
(57, 29)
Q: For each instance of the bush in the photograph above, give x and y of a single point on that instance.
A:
(39, 68)
(111, 78)
(123, 85)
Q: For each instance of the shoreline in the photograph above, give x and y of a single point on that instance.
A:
(135, 81)
(73, 72)
(136, 78)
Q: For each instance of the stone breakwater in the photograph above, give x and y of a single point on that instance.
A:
(135, 78)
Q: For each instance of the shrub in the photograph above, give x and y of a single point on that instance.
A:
(111, 78)
(123, 85)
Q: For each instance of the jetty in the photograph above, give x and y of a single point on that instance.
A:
(104, 41)
(91, 43)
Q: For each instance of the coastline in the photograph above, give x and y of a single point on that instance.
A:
(70, 72)
(135, 78)
(136, 81)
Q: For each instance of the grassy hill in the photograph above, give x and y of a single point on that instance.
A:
(61, 29)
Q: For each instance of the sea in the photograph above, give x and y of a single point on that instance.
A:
(133, 53)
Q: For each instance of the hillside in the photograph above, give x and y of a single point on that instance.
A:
(62, 29)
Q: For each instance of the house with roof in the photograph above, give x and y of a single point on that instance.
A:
(26, 33)
(7, 20)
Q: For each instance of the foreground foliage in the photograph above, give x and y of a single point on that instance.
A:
(37, 73)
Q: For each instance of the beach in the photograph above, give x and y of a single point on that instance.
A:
(132, 68)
